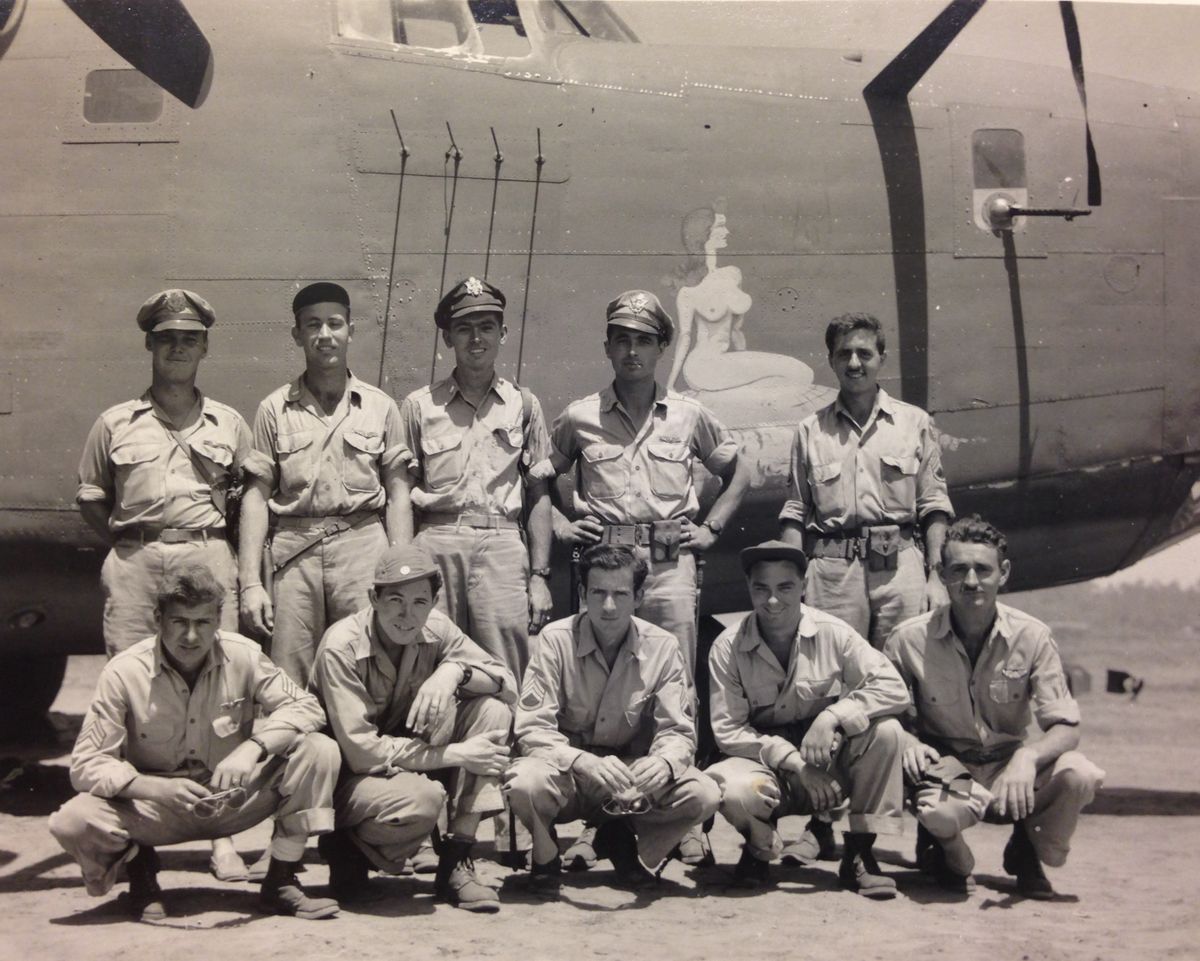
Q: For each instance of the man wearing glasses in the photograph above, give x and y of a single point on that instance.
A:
(607, 728)
(166, 755)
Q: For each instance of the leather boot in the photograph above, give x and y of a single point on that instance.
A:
(281, 894)
(581, 855)
(456, 882)
(1021, 859)
(815, 844)
(616, 841)
(349, 869)
(145, 896)
(859, 870)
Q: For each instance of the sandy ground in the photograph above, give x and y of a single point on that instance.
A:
(1130, 890)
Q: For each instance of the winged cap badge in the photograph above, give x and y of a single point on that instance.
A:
(176, 302)
(474, 286)
(638, 303)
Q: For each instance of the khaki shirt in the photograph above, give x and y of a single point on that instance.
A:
(631, 476)
(830, 668)
(985, 710)
(143, 719)
(467, 459)
(844, 477)
(571, 702)
(368, 698)
(318, 465)
(132, 461)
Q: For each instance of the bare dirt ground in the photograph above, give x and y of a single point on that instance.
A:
(1130, 890)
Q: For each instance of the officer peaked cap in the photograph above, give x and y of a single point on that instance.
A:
(175, 309)
(640, 310)
(471, 296)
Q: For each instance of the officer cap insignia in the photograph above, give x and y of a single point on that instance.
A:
(638, 303)
(405, 571)
(474, 286)
(175, 301)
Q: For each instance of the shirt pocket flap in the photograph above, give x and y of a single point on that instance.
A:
(441, 443)
(677, 453)
(595, 453)
(513, 437)
(158, 733)
(290, 443)
(905, 465)
(368, 443)
(823, 473)
(761, 694)
(215, 451)
(128, 454)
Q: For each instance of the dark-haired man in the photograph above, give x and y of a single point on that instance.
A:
(803, 708)
(422, 716)
(328, 472)
(606, 727)
(868, 504)
(166, 754)
(981, 673)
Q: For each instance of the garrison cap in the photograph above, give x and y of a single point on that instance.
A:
(773, 551)
(640, 310)
(320, 293)
(471, 296)
(402, 563)
(175, 309)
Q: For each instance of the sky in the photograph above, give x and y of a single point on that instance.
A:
(1152, 42)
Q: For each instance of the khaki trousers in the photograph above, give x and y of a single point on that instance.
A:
(871, 602)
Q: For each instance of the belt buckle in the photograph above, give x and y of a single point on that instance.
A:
(861, 547)
(173, 537)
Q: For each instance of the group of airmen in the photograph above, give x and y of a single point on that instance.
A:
(404, 681)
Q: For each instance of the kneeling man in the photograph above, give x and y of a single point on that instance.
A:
(166, 755)
(421, 714)
(607, 730)
(802, 706)
(979, 673)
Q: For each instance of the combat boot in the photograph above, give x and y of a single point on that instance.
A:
(815, 844)
(281, 894)
(456, 882)
(546, 879)
(751, 872)
(859, 870)
(145, 896)
(1021, 859)
(694, 849)
(349, 869)
(581, 855)
(616, 841)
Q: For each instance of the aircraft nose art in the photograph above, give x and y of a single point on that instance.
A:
(160, 39)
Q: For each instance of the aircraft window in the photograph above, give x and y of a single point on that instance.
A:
(480, 27)
(121, 96)
(999, 159)
(582, 18)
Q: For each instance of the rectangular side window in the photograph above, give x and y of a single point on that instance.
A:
(121, 96)
(999, 159)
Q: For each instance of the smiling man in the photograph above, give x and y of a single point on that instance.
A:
(803, 708)
(868, 504)
(473, 437)
(421, 714)
(981, 674)
(606, 727)
(170, 752)
(327, 474)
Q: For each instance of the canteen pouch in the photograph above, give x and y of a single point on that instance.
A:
(664, 540)
(883, 547)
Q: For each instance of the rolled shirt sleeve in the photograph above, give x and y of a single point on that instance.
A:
(95, 474)
(932, 493)
(799, 503)
(712, 442)
(262, 461)
(1052, 700)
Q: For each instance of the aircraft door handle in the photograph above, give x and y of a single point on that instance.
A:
(1000, 211)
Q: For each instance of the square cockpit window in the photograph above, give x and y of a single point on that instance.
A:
(999, 157)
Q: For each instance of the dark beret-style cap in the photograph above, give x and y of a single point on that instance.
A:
(773, 551)
(640, 310)
(471, 296)
(320, 293)
(403, 563)
(175, 309)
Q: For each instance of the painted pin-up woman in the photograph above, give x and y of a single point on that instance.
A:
(710, 354)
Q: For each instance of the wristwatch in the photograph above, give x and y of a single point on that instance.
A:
(467, 672)
(540, 572)
(715, 526)
(261, 746)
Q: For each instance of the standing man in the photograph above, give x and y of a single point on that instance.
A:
(606, 725)
(635, 444)
(166, 754)
(328, 471)
(868, 504)
(473, 437)
(980, 673)
(422, 716)
(803, 708)
(153, 481)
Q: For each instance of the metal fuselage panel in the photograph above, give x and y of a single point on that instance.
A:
(1056, 363)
